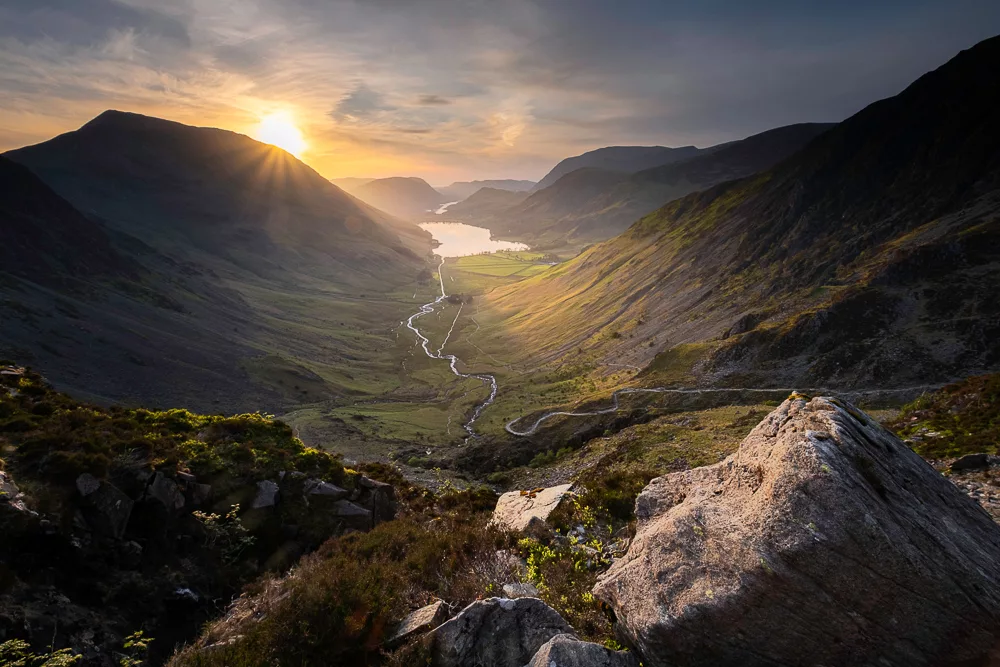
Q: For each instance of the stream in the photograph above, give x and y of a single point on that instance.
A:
(425, 343)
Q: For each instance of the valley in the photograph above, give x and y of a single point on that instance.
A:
(662, 404)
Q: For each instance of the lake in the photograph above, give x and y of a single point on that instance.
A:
(458, 239)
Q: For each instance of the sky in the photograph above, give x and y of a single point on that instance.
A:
(469, 89)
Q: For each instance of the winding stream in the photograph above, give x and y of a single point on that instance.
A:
(489, 380)
(464, 242)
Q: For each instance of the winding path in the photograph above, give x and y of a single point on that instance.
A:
(486, 379)
(615, 403)
(615, 406)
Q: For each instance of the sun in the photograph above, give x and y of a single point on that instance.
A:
(278, 129)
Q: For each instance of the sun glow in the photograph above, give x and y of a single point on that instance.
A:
(278, 129)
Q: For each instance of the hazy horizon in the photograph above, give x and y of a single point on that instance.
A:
(457, 91)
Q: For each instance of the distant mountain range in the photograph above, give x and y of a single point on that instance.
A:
(461, 190)
(625, 159)
(486, 203)
(592, 204)
(869, 258)
(145, 260)
(409, 198)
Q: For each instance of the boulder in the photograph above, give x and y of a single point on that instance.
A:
(165, 491)
(419, 622)
(974, 462)
(352, 516)
(518, 510)
(10, 495)
(520, 590)
(568, 651)
(823, 540)
(497, 632)
(106, 509)
(317, 488)
(8, 489)
(199, 494)
(267, 495)
(378, 498)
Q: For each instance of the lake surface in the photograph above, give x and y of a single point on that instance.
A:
(458, 239)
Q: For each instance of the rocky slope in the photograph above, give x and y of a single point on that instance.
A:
(118, 520)
(823, 539)
(867, 259)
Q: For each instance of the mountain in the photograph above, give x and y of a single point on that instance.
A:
(237, 277)
(626, 159)
(461, 190)
(566, 214)
(485, 203)
(869, 258)
(350, 184)
(175, 187)
(404, 197)
(46, 239)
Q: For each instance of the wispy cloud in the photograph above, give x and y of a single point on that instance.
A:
(460, 89)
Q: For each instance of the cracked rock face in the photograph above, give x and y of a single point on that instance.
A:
(516, 510)
(496, 633)
(823, 540)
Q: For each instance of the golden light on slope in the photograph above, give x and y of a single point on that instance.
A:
(278, 129)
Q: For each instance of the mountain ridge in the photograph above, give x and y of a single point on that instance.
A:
(864, 258)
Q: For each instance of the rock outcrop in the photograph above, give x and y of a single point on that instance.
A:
(517, 510)
(420, 621)
(568, 651)
(496, 632)
(823, 540)
(106, 508)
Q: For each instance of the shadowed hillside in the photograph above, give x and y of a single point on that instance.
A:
(262, 284)
(46, 239)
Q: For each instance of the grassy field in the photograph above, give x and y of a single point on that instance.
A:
(478, 274)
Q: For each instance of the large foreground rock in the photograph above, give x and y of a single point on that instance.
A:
(516, 510)
(823, 540)
(496, 633)
(568, 651)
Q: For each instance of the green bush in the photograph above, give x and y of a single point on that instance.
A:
(965, 417)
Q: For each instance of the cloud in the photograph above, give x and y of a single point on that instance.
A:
(432, 100)
(359, 104)
(517, 84)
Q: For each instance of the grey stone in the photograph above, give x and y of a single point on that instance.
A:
(568, 651)
(824, 540)
(316, 487)
(87, 484)
(105, 507)
(8, 489)
(497, 632)
(378, 498)
(420, 621)
(165, 491)
(520, 590)
(199, 494)
(267, 495)
(974, 462)
(519, 511)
